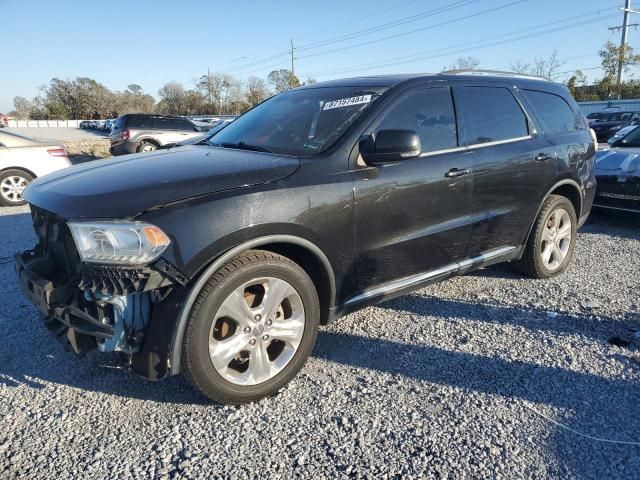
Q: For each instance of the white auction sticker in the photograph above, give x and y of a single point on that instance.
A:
(347, 102)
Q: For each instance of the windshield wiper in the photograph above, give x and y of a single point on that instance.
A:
(242, 146)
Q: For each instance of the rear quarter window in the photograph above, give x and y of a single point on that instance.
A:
(553, 112)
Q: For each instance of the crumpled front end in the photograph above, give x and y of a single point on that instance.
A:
(89, 306)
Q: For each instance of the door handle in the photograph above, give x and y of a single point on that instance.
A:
(543, 157)
(457, 172)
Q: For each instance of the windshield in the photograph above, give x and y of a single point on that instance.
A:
(615, 117)
(631, 139)
(299, 122)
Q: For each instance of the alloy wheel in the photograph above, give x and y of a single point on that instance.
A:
(556, 239)
(12, 187)
(256, 331)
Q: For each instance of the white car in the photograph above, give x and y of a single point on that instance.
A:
(23, 159)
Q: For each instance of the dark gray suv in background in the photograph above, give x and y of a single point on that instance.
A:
(134, 133)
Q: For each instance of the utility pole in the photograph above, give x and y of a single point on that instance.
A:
(623, 39)
(293, 69)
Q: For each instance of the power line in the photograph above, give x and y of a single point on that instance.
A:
(402, 34)
(386, 26)
(464, 47)
(368, 31)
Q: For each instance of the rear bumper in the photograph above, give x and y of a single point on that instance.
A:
(123, 148)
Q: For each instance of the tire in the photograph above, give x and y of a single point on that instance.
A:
(146, 146)
(220, 329)
(12, 184)
(548, 254)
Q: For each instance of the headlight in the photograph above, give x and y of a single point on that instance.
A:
(122, 243)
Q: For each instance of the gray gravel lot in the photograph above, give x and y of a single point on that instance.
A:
(470, 377)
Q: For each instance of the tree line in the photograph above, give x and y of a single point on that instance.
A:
(212, 94)
(221, 93)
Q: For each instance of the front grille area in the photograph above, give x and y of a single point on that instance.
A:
(117, 281)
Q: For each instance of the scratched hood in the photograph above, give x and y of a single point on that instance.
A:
(126, 186)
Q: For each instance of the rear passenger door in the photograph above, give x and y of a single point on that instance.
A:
(512, 164)
(411, 217)
(565, 126)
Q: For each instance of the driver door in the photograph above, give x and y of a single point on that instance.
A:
(413, 216)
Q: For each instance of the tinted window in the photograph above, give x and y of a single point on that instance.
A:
(488, 114)
(427, 112)
(172, 124)
(140, 122)
(554, 112)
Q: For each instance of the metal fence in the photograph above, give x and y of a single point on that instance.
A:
(43, 123)
(627, 105)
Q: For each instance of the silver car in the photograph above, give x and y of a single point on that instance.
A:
(23, 159)
(133, 133)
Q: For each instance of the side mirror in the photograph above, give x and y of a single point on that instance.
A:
(390, 146)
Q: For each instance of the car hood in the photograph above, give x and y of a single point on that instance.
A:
(618, 162)
(132, 184)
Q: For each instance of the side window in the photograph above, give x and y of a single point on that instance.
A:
(184, 125)
(428, 112)
(488, 114)
(554, 112)
(142, 123)
(165, 124)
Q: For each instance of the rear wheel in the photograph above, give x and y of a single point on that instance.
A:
(550, 247)
(251, 329)
(147, 147)
(12, 184)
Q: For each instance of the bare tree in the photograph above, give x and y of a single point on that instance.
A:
(23, 107)
(257, 91)
(520, 66)
(464, 63)
(547, 68)
(171, 97)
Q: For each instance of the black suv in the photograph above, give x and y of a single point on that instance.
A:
(133, 133)
(219, 260)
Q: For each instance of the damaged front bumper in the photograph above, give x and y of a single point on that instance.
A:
(104, 307)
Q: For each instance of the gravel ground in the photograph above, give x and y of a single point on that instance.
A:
(484, 376)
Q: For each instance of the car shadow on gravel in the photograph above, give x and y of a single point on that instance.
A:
(615, 224)
(599, 327)
(605, 408)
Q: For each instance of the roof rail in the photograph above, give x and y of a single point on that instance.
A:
(494, 73)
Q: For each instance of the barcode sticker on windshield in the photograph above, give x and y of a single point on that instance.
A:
(347, 102)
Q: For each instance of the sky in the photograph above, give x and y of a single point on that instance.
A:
(119, 42)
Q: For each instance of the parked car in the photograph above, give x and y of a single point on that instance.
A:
(618, 175)
(623, 132)
(85, 124)
(133, 133)
(220, 261)
(607, 124)
(22, 160)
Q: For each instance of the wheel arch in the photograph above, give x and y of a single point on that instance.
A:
(302, 251)
(22, 169)
(566, 188)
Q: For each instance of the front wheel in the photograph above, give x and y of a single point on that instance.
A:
(251, 329)
(550, 247)
(12, 184)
